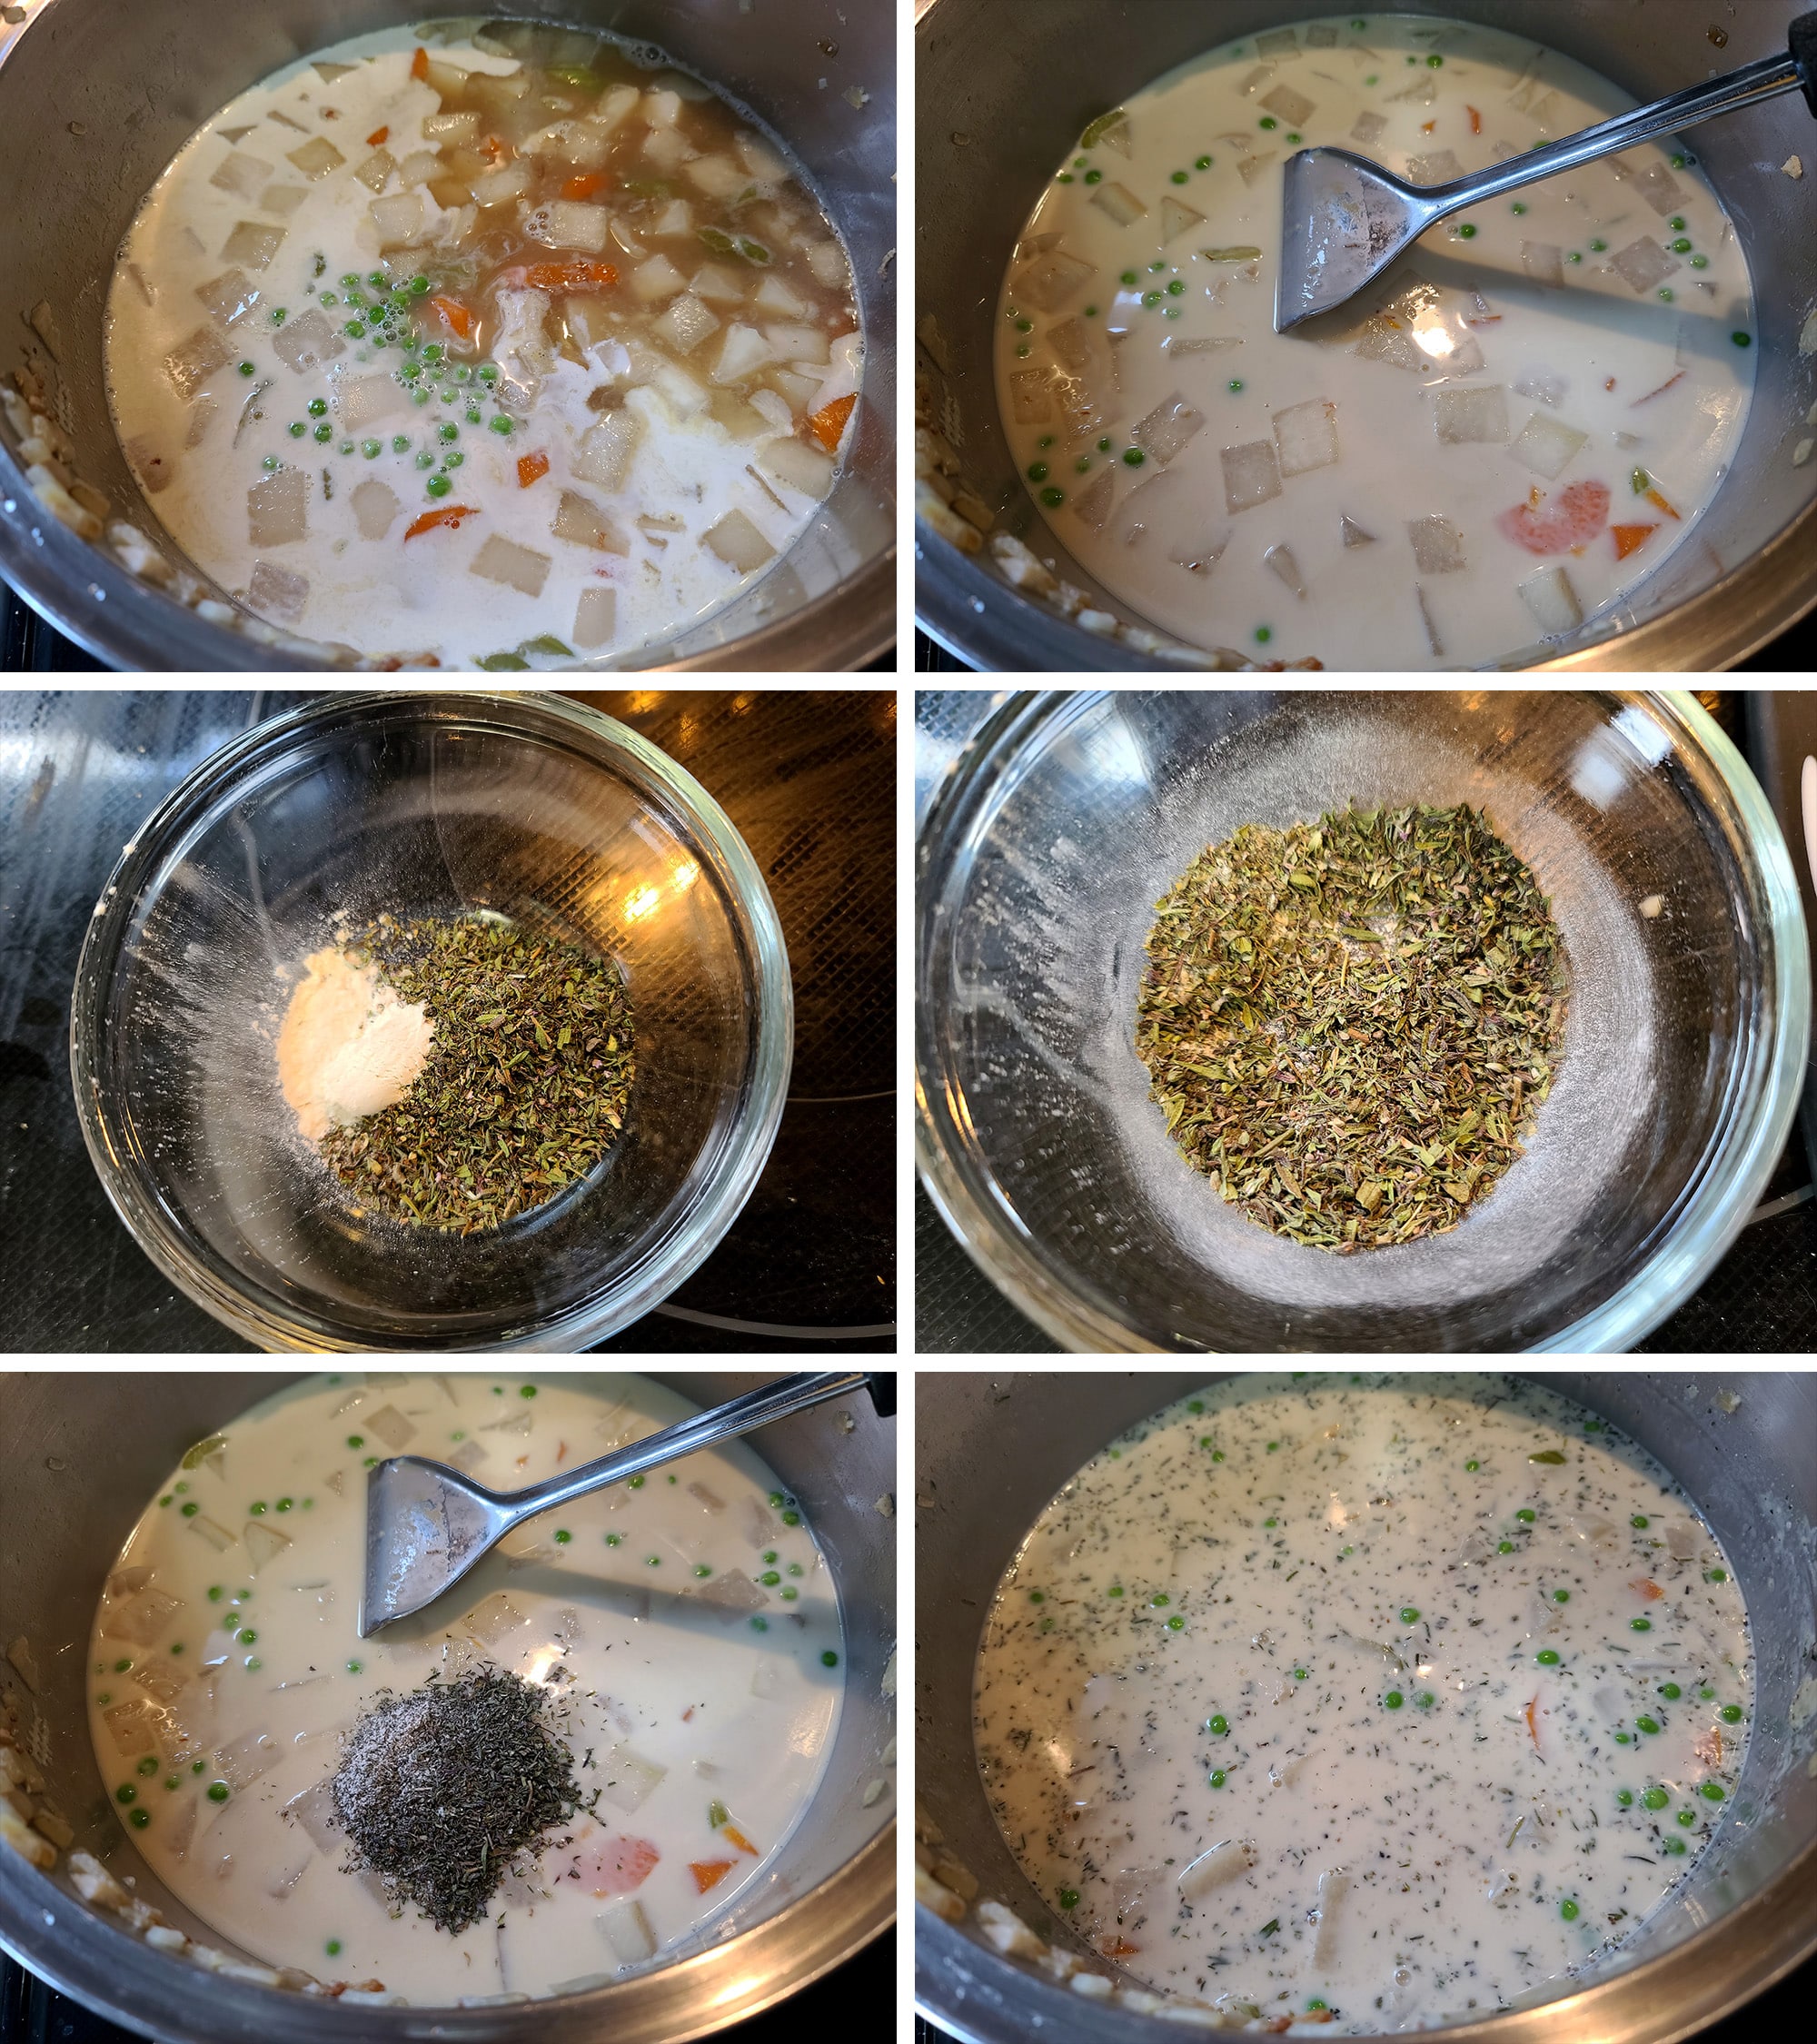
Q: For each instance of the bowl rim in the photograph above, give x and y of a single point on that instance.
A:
(265, 1318)
(1695, 1237)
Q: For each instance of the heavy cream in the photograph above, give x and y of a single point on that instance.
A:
(464, 356)
(684, 1627)
(1385, 1701)
(1499, 440)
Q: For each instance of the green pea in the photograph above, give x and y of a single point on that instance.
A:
(1133, 457)
(1218, 1777)
(1711, 1791)
(1219, 1725)
(355, 329)
(1174, 1624)
(1716, 1575)
(1640, 1625)
(1568, 1911)
(1524, 1516)
(1505, 1547)
(372, 449)
(1151, 298)
(1640, 1518)
(296, 430)
(1667, 293)
(438, 486)
(1409, 1615)
(1435, 60)
(1128, 277)
(1264, 633)
(1686, 1818)
(1425, 1699)
(1675, 1846)
(1676, 223)
(1655, 1799)
(1094, 176)
(1201, 162)
(149, 1765)
(1467, 231)
(1699, 262)
(1648, 1725)
(1730, 1713)
(1268, 121)
(1546, 1658)
(1597, 247)
(425, 460)
(1394, 1700)
(1158, 1599)
(1517, 207)
(1681, 246)
(1299, 1674)
(635, 1484)
(1053, 497)
(138, 1819)
(1236, 383)
(1038, 471)
(189, 1510)
(1625, 1797)
(501, 424)
(701, 1569)
(1472, 1466)
(1672, 1693)
(1561, 1596)
(771, 1577)
(829, 1659)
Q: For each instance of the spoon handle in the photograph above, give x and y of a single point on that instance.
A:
(1753, 82)
(756, 1408)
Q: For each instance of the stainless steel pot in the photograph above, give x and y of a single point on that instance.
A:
(84, 1453)
(990, 1451)
(1000, 105)
(95, 99)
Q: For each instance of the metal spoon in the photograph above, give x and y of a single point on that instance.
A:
(427, 1524)
(1345, 220)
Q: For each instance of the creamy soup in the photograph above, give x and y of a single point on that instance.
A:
(495, 348)
(1380, 1700)
(684, 1627)
(1499, 440)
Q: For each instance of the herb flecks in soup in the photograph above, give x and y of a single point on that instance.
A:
(1396, 1697)
(1502, 438)
(679, 1633)
(498, 350)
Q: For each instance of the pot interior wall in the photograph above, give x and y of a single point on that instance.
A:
(991, 1452)
(98, 98)
(998, 112)
(86, 1452)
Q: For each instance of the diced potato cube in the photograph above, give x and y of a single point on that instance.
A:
(1252, 167)
(374, 171)
(717, 285)
(626, 1931)
(1438, 546)
(195, 361)
(1471, 412)
(252, 243)
(655, 279)
(451, 194)
(277, 511)
(1543, 263)
(244, 176)
(719, 176)
(743, 353)
(317, 157)
(765, 413)
(738, 543)
(759, 159)
(1252, 474)
(1092, 505)
(1294, 108)
(1660, 189)
(1643, 263)
(1177, 220)
(1167, 429)
(1369, 129)
(499, 187)
(1545, 445)
(276, 593)
(799, 343)
(419, 167)
(801, 467)
(582, 143)
(661, 109)
(617, 106)
(229, 296)
(800, 390)
(1120, 202)
(500, 559)
(1553, 600)
(359, 400)
(595, 617)
(629, 1781)
(375, 506)
(1305, 436)
(581, 523)
(1385, 339)
(307, 342)
(1051, 281)
(605, 451)
(399, 220)
(282, 199)
(571, 223)
(1031, 397)
(452, 127)
(686, 324)
(827, 261)
(591, 320)
(1440, 166)
(773, 296)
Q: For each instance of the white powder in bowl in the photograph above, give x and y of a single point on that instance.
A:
(349, 1046)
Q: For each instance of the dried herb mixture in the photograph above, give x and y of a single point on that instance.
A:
(439, 1789)
(1350, 1025)
(525, 1087)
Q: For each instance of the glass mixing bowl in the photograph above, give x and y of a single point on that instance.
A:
(438, 805)
(1069, 814)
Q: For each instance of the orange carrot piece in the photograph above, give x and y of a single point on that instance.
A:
(419, 63)
(1630, 539)
(459, 319)
(530, 467)
(1647, 1587)
(493, 150)
(584, 185)
(376, 137)
(450, 515)
(828, 425)
(708, 1873)
(732, 1836)
(1659, 503)
(1476, 120)
(580, 274)
(1532, 1727)
(1118, 1948)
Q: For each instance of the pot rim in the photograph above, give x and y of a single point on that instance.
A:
(1710, 1975)
(1725, 1190)
(265, 1318)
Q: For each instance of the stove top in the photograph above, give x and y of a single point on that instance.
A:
(808, 779)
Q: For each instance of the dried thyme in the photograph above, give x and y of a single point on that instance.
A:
(439, 1789)
(525, 1087)
(1351, 1025)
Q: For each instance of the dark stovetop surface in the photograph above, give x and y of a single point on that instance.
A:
(853, 1996)
(1762, 1298)
(808, 779)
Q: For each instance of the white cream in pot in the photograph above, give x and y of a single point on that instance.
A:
(1380, 1700)
(688, 1626)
